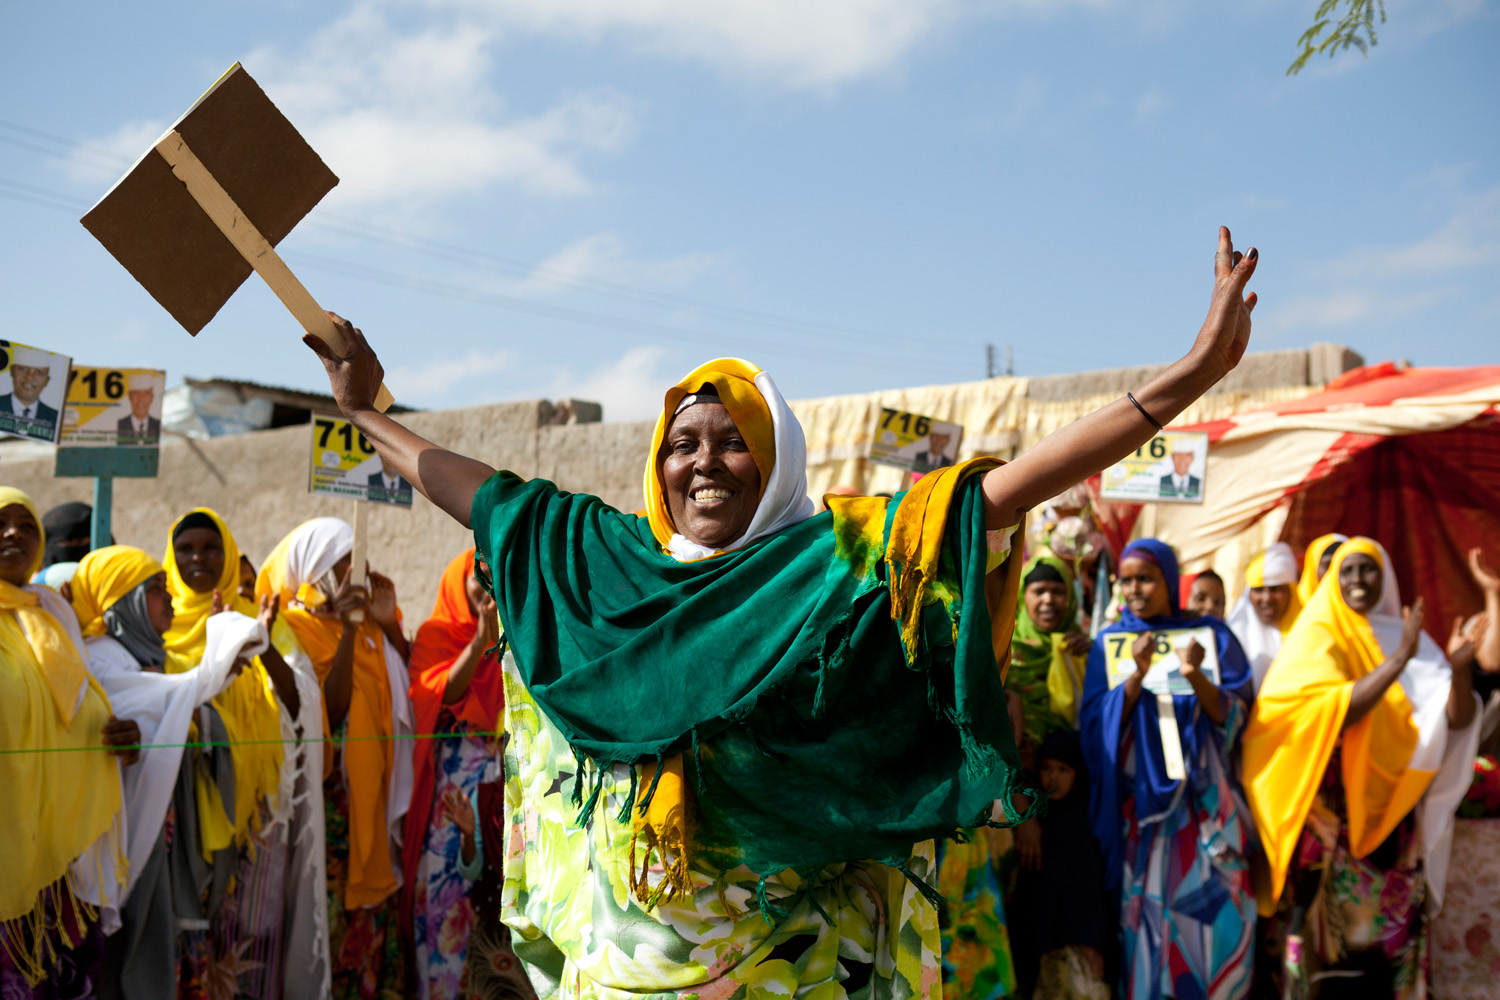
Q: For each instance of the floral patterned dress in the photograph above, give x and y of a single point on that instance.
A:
(977, 961)
(858, 930)
(443, 914)
(365, 943)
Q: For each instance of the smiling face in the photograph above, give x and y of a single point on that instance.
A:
(711, 483)
(1361, 580)
(1047, 604)
(20, 538)
(200, 558)
(1270, 603)
(1144, 588)
(29, 382)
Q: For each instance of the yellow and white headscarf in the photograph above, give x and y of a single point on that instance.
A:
(1308, 585)
(248, 707)
(61, 789)
(1398, 757)
(775, 441)
(1275, 567)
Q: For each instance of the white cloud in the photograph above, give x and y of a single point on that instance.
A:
(1469, 238)
(789, 43)
(107, 159)
(602, 258)
(433, 382)
(630, 387)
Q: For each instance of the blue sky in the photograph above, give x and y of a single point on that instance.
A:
(589, 197)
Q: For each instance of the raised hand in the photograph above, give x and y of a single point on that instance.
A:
(216, 604)
(455, 807)
(1480, 570)
(1143, 650)
(346, 599)
(382, 600)
(270, 606)
(355, 378)
(1226, 332)
(1191, 658)
(1411, 630)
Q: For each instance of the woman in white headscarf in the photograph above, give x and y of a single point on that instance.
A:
(120, 596)
(1267, 608)
(359, 691)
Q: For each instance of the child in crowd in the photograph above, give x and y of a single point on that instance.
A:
(1061, 926)
(1206, 599)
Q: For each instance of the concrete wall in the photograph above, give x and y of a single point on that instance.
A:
(258, 482)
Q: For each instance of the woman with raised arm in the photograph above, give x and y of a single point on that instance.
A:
(1360, 747)
(63, 853)
(821, 694)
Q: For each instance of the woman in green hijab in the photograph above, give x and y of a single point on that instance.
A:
(1048, 652)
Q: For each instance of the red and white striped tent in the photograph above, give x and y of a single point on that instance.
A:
(1408, 456)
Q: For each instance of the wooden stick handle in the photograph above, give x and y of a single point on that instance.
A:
(357, 553)
(255, 248)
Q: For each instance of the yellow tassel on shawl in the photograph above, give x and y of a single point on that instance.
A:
(248, 706)
(1297, 721)
(916, 546)
(662, 829)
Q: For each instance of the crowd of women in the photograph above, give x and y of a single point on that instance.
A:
(730, 745)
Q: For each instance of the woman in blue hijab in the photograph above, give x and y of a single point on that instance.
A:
(1175, 833)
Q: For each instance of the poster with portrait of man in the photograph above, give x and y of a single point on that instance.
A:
(113, 407)
(343, 463)
(913, 442)
(1170, 468)
(32, 381)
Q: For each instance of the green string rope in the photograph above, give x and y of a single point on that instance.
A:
(248, 743)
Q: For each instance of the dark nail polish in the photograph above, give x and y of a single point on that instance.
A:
(1254, 253)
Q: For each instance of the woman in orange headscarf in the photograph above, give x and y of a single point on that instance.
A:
(457, 695)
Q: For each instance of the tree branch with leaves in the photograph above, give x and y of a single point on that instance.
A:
(1333, 33)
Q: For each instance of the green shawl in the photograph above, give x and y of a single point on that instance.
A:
(1033, 654)
(809, 733)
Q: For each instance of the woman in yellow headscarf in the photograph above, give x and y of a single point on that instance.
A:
(202, 571)
(1267, 608)
(1360, 745)
(61, 841)
(177, 878)
(1315, 563)
(366, 721)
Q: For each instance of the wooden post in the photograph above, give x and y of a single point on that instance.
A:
(357, 553)
(255, 248)
(104, 493)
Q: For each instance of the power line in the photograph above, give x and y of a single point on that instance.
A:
(336, 222)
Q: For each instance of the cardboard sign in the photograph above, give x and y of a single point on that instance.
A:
(1170, 468)
(1165, 676)
(344, 464)
(209, 202)
(113, 408)
(913, 442)
(33, 382)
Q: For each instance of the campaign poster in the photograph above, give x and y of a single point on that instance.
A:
(913, 442)
(1170, 468)
(33, 381)
(1165, 675)
(113, 407)
(344, 464)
